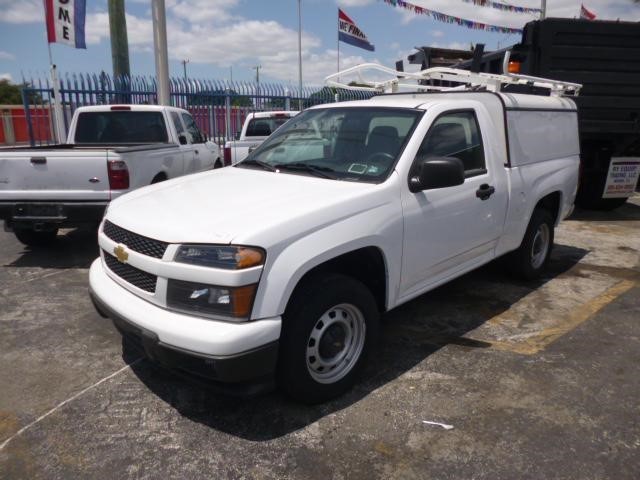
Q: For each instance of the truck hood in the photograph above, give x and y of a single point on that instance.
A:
(239, 205)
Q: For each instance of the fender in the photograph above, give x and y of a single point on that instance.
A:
(288, 264)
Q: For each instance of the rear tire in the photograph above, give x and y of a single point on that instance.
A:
(34, 238)
(529, 260)
(329, 329)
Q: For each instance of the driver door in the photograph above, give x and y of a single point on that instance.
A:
(447, 230)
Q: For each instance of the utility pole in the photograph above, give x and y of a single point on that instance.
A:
(158, 15)
(184, 65)
(119, 41)
(543, 10)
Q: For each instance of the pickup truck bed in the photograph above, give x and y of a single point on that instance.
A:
(46, 188)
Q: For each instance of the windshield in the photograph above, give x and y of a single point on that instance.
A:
(355, 144)
(115, 127)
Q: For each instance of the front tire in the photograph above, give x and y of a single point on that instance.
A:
(329, 330)
(529, 260)
(33, 238)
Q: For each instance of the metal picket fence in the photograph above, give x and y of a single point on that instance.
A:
(219, 107)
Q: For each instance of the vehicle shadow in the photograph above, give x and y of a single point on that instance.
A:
(627, 212)
(72, 249)
(417, 329)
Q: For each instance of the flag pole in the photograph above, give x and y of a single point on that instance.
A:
(338, 53)
(299, 56)
(58, 115)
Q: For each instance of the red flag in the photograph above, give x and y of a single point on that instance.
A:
(586, 14)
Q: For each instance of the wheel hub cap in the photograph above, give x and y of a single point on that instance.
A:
(335, 343)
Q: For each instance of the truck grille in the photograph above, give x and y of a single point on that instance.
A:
(136, 277)
(137, 243)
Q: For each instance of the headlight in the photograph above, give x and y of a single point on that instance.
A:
(230, 302)
(220, 256)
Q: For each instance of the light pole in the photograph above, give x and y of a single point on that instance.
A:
(543, 10)
(184, 66)
(300, 54)
(160, 50)
(257, 68)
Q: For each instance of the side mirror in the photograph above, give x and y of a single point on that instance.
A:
(182, 139)
(437, 172)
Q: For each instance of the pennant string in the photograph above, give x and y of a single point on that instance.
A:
(504, 7)
(442, 17)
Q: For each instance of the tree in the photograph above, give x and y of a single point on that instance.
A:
(11, 94)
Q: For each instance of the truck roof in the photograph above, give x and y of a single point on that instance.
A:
(133, 108)
(274, 113)
(512, 101)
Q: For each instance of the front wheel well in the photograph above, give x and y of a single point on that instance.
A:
(366, 265)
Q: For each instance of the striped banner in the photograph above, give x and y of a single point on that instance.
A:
(65, 22)
(349, 33)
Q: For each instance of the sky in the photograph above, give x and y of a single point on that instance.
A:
(229, 38)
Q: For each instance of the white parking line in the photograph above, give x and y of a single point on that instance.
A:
(63, 403)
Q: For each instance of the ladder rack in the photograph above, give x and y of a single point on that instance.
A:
(466, 79)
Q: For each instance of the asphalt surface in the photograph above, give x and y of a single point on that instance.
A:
(538, 380)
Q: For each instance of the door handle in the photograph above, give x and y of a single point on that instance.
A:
(485, 191)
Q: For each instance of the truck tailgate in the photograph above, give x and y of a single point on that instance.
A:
(74, 174)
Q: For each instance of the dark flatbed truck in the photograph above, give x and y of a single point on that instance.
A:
(604, 56)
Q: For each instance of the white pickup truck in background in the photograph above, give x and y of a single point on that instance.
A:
(256, 129)
(389, 198)
(110, 150)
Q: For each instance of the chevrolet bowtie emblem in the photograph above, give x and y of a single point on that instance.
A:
(121, 253)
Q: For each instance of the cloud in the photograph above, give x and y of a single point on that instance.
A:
(6, 55)
(437, 33)
(354, 3)
(6, 76)
(198, 11)
(266, 42)
(25, 11)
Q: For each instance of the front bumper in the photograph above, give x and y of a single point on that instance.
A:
(242, 354)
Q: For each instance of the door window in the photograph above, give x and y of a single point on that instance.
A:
(192, 128)
(456, 134)
(175, 118)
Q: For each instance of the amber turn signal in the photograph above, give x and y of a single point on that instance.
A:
(514, 67)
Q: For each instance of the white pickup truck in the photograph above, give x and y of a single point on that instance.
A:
(256, 129)
(346, 212)
(110, 150)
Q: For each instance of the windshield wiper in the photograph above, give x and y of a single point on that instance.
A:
(259, 163)
(324, 172)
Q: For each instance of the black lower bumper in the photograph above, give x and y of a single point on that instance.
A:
(247, 373)
(43, 215)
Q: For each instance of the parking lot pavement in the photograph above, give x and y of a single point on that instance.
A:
(538, 381)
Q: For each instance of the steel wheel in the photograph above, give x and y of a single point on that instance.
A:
(540, 245)
(335, 343)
